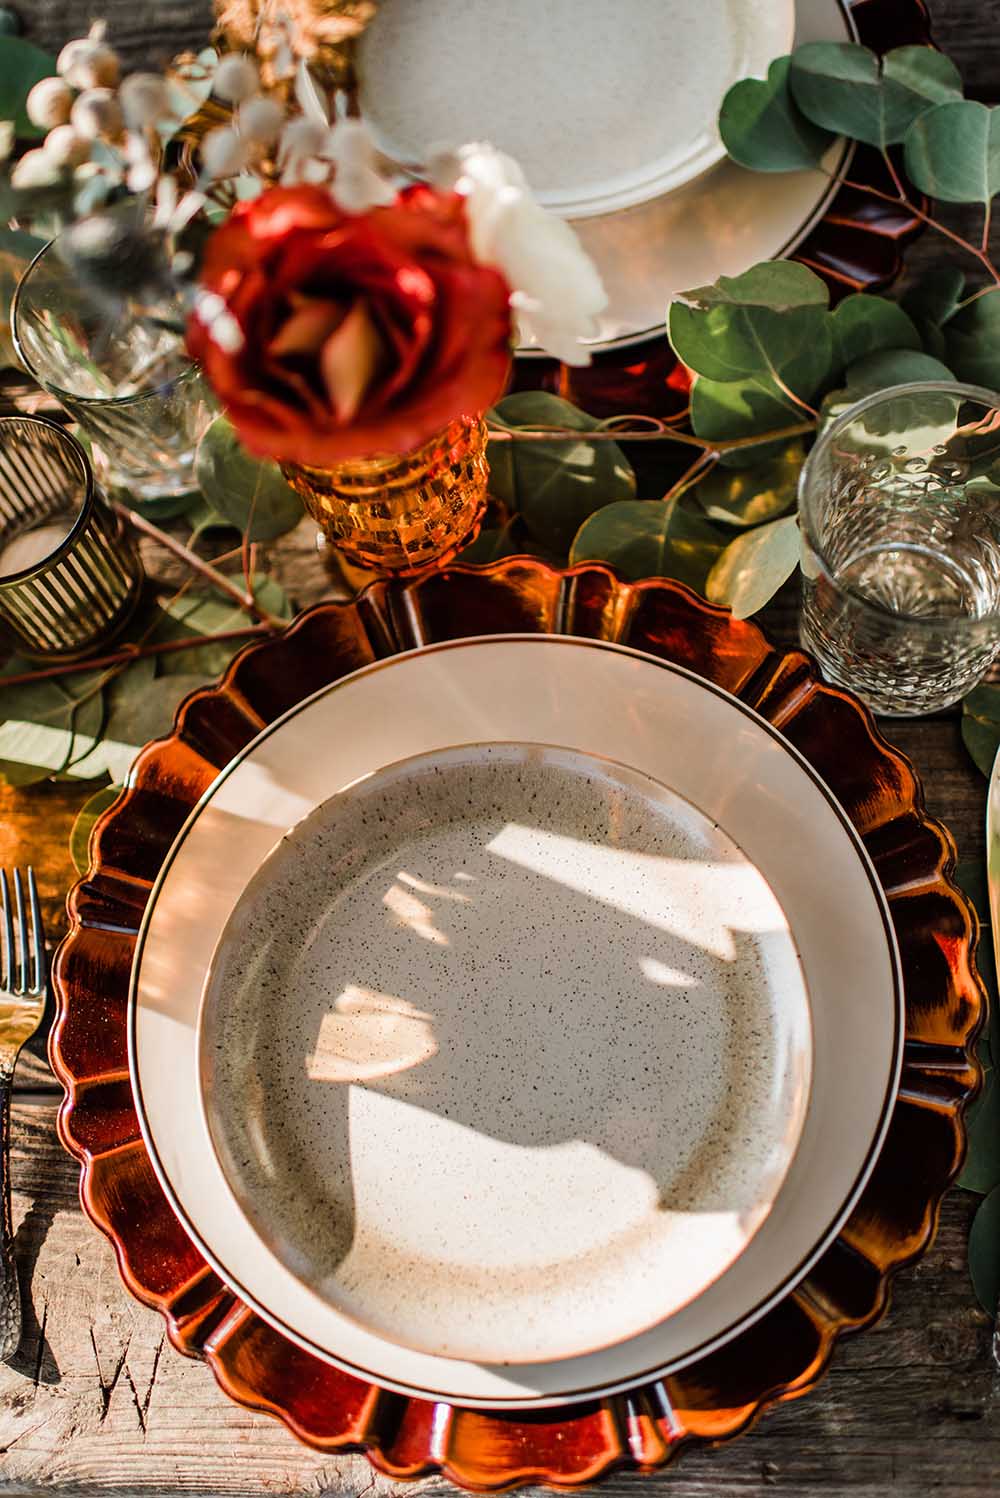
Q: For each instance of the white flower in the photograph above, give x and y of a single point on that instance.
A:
(219, 322)
(556, 291)
(358, 184)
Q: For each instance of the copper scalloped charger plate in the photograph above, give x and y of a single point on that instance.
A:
(782, 1354)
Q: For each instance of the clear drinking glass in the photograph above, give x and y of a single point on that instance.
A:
(899, 508)
(125, 378)
(70, 575)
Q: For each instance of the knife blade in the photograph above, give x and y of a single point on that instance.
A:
(993, 885)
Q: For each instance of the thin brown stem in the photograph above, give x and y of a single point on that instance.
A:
(691, 476)
(897, 181)
(224, 584)
(974, 297)
(126, 655)
(987, 225)
(789, 393)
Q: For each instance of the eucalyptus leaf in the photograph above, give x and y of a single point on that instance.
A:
(753, 567)
(555, 486)
(936, 295)
(47, 725)
(649, 538)
(163, 507)
(864, 324)
(981, 725)
(755, 323)
(722, 411)
(750, 496)
(250, 493)
(972, 338)
(22, 65)
(207, 614)
(933, 339)
(763, 128)
(953, 152)
(510, 540)
(201, 517)
(844, 87)
(140, 708)
(984, 1252)
(79, 838)
(981, 1171)
(887, 367)
(879, 373)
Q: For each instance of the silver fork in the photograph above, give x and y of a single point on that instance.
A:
(22, 1004)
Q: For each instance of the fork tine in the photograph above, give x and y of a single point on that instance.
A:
(20, 979)
(38, 935)
(7, 937)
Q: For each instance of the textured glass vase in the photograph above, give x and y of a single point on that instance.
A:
(400, 513)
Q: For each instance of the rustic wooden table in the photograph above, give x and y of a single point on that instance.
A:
(97, 1403)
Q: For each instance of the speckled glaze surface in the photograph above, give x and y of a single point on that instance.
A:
(854, 241)
(783, 1355)
(533, 80)
(461, 1052)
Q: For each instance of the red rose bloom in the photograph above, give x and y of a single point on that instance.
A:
(360, 334)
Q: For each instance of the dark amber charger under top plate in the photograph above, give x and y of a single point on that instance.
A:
(783, 1354)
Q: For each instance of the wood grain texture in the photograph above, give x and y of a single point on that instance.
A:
(96, 1403)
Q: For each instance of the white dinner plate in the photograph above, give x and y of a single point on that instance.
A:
(611, 109)
(675, 737)
(603, 106)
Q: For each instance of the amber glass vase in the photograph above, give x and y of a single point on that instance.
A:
(401, 513)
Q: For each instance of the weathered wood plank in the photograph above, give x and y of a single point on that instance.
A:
(95, 1400)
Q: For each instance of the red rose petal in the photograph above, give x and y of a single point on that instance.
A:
(361, 334)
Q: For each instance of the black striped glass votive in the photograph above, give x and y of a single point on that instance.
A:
(69, 572)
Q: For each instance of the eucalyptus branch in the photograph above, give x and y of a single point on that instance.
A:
(639, 434)
(128, 654)
(245, 601)
(925, 218)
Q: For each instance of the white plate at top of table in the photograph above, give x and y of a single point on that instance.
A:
(611, 108)
(338, 1120)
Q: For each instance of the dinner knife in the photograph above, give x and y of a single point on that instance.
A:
(993, 883)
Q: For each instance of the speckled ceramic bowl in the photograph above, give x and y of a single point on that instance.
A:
(506, 1051)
